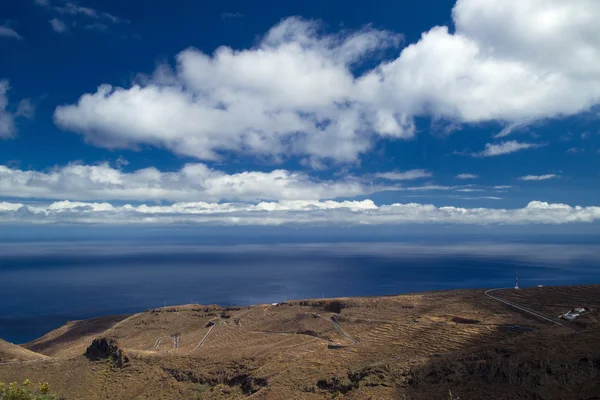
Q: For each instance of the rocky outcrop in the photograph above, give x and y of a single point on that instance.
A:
(106, 349)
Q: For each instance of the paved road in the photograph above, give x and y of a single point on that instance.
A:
(489, 294)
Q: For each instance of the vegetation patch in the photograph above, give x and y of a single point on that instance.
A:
(26, 391)
(462, 320)
(334, 306)
(242, 380)
(106, 349)
(370, 376)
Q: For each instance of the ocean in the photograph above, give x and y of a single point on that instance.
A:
(45, 284)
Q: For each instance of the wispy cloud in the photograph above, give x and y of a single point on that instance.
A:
(58, 25)
(8, 32)
(404, 176)
(508, 129)
(25, 109)
(226, 15)
(475, 198)
(502, 187)
(498, 149)
(71, 10)
(96, 26)
(467, 176)
(468, 190)
(575, 150)
(538, 177)
(428, 187)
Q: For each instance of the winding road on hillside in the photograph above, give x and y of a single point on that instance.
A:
(489, 294)
(175, 341)
(338, 328)
(214, 324)
(341, 331)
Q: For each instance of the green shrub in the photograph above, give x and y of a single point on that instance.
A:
(14, 391)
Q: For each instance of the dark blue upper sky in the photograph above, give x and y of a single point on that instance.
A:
(432, 110)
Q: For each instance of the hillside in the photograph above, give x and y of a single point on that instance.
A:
(12, 353)
(72, 338)
(414, 346)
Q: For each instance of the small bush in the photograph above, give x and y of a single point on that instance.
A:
(334, 306)
(14, 391)
(307, 332)
(461, 320)
(310, 389)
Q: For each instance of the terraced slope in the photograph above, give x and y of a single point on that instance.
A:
(377, 347)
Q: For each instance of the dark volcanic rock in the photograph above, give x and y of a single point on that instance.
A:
(106, 349)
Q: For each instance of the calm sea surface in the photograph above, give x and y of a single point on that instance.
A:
(43, 285)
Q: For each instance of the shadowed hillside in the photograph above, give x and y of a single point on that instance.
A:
(11, 353)
(73, 338)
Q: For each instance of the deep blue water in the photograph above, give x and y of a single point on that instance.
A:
(43, 285)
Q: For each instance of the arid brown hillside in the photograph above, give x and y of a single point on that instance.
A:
(415, 346)
(73, 338)
(10, 353)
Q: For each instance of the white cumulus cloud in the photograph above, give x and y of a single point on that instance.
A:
(194, 182)
(296, 92)
(292, 94)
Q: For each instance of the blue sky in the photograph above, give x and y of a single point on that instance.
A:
(311, 113)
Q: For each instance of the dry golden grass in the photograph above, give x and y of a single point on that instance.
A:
(285, 352)
(12, 353)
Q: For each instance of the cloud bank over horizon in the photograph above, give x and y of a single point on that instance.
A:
(292, 213)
